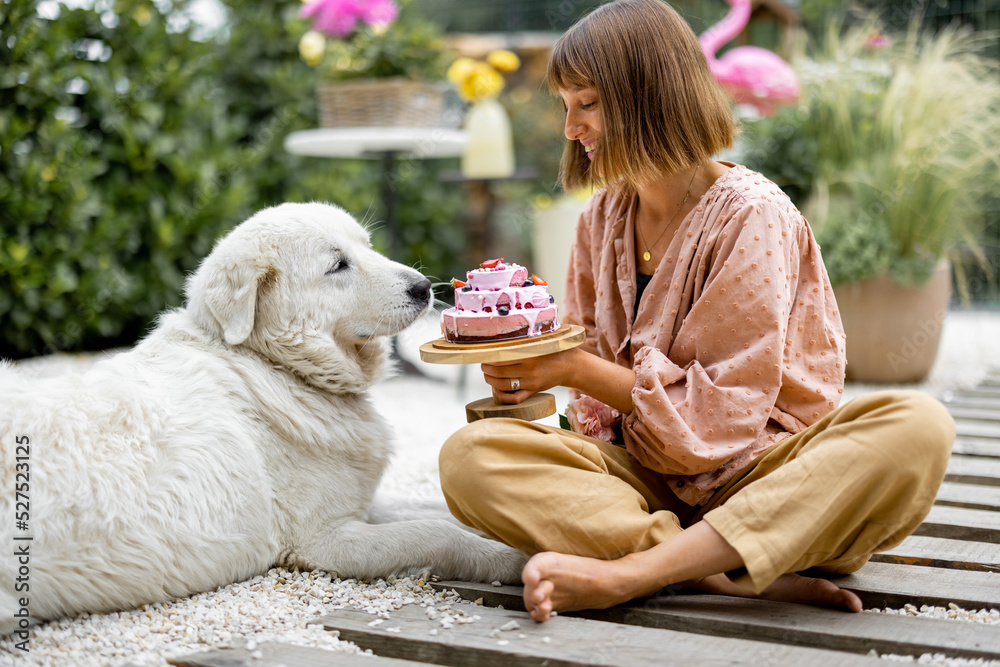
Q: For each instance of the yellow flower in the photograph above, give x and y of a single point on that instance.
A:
(482, 83)
(460, 69)
(542, 201)
(503, 60)
(17, 251)
(311, 47)
(142, 15)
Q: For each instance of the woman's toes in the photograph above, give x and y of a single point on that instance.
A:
(851, 601)
(531, 575)
(543, 591)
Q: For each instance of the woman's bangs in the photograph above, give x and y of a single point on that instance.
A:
(567, 68)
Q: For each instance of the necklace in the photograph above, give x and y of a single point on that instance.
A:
(649, 247)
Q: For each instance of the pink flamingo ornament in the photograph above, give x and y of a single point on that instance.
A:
(749, 74)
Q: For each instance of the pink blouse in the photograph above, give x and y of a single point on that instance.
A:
(737, 342)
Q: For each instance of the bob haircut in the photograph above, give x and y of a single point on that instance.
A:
(661, 109)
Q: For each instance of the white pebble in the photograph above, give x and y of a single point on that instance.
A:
(510, 625)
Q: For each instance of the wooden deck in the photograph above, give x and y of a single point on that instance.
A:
(952, 558)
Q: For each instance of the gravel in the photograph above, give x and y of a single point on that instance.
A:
(279, 606)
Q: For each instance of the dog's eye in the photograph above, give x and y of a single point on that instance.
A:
(338, 266)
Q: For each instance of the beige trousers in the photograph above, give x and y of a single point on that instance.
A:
(856, 482)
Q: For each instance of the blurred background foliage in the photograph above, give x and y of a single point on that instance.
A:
(129, 144)
(118, 167)
(130, 140)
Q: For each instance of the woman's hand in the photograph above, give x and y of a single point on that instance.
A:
(576, 368)
(514, 381)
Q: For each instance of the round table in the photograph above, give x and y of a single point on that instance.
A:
(376, 142)
(381, 143)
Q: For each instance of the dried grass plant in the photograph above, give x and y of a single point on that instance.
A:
(910, 148)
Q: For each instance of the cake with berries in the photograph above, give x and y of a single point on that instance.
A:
(499, 301)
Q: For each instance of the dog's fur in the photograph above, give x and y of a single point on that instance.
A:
(238, 435)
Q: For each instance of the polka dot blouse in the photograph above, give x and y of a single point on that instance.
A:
(736, 342)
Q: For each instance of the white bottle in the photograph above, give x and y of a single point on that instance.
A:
(490, 151)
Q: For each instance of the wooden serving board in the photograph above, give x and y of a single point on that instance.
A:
(441, 351)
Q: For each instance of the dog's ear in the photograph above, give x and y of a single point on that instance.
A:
(232, 298)
(225, 290)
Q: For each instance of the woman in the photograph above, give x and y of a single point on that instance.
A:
(712, 329)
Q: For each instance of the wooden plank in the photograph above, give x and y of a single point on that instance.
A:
(275, 654)
(974, 414)
(960, 523)
(893, 585)
(971, 401)
(971, 496)
(975, 392)
(977, 429)
(973, 470)
(572, 642)
(976, 447)
(942, 552)
(779, 622)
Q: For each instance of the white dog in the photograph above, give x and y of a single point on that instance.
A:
(238, 435)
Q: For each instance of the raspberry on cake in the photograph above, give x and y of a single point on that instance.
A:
(498, 301)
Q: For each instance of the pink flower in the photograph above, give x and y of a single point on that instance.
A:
(339, 18)
(588, 416)
(876, 40)
(380, 12)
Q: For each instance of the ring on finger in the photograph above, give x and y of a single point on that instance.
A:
(515, 384)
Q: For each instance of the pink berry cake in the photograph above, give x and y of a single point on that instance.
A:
(499, 301)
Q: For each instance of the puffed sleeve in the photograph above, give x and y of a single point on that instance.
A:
(581, 293)
(693, 416)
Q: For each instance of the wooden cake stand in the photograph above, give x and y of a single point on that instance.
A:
(441, 351)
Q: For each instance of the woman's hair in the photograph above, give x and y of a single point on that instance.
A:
(661, 108)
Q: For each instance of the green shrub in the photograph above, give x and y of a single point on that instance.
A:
(116, 173)
(127, 147)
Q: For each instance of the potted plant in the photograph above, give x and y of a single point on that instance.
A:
(903, 136)
(378, 64)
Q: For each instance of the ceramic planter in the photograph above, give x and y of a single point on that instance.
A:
(893, 331)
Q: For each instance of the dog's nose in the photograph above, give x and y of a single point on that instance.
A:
(420, 291)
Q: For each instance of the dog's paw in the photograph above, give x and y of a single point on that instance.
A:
(496, 562)
(511, 565)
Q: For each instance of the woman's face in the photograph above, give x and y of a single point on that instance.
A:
(583, 117)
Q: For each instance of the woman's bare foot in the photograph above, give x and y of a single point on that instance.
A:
(561, 582)
(786, 588)
(809, 590)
